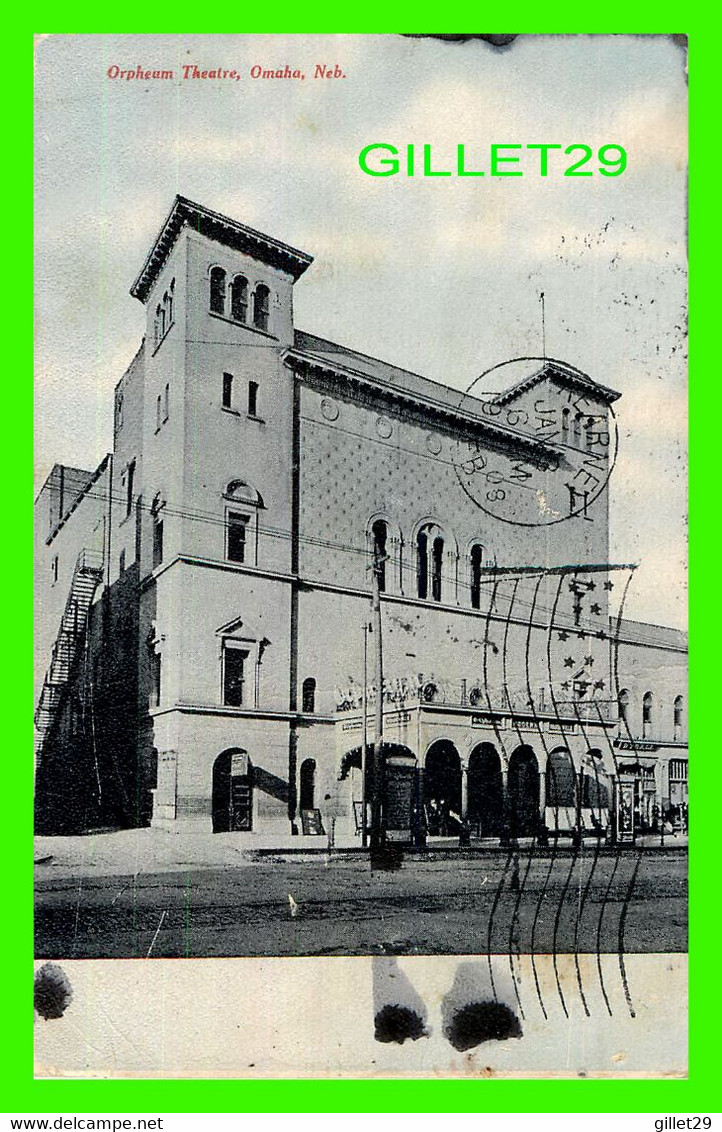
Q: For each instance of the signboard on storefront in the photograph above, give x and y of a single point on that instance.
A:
(624, 809)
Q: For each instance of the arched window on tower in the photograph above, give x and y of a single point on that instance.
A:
(261, 306)
(577, 428)
(239, 299)
(169, 306)
(476, 559)
(218, 290)
(647, 715)
(565, 425)
(380, 534)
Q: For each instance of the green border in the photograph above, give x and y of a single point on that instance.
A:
(697, 1094)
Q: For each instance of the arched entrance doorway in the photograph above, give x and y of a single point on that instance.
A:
(561, 791)
(232, 799)
(595, 791)
(307, 784)
(523, 791)
(400, 792)
(486, 792)
(442, 788)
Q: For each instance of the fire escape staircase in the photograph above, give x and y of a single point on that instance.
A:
(87, 574)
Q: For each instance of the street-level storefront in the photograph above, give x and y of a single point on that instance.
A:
(451, 772)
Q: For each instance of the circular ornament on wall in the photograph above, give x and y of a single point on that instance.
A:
(329, 409)
(384, 428)
(433, 443)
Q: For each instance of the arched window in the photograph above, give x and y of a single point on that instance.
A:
(239, 299)
(647, 714)
(158, 333)
(166, 401)
(380, 534)
(157, 413)
(218, 290)
(623, 702)
(429, 562)
(476, 558)
(308, 695)
(422, 564)
(565, 425)
(678, 705)
(437, 561)
(261, 304)
(243, 505)
(577, 428)
(169, 297)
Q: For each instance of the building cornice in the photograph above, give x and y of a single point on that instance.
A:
(305, 364)
(230, 233)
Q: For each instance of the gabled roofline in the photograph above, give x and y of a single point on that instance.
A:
(563, 372)
(224, 230)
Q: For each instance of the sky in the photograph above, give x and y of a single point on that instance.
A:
(438, 275)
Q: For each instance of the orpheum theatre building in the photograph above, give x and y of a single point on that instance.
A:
(204, 595)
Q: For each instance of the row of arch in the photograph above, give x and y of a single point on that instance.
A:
(432, 551)
(648, 705)
(490, 803)
(236, 299)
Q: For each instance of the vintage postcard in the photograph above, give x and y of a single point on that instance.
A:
(361, 711)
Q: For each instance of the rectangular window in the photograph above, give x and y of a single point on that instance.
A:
(129, 478)
(166, 399)
(253, 398)
(234, 660)
(236, 537)
(157, 413)
(157, 541)
(227, 390)
(54, 570)
(678, 770)
(121, 562)
(154, 679)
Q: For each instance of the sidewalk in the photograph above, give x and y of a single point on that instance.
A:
(134, 851)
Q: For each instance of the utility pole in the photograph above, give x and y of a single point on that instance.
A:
(364, 745)
(377, 833)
